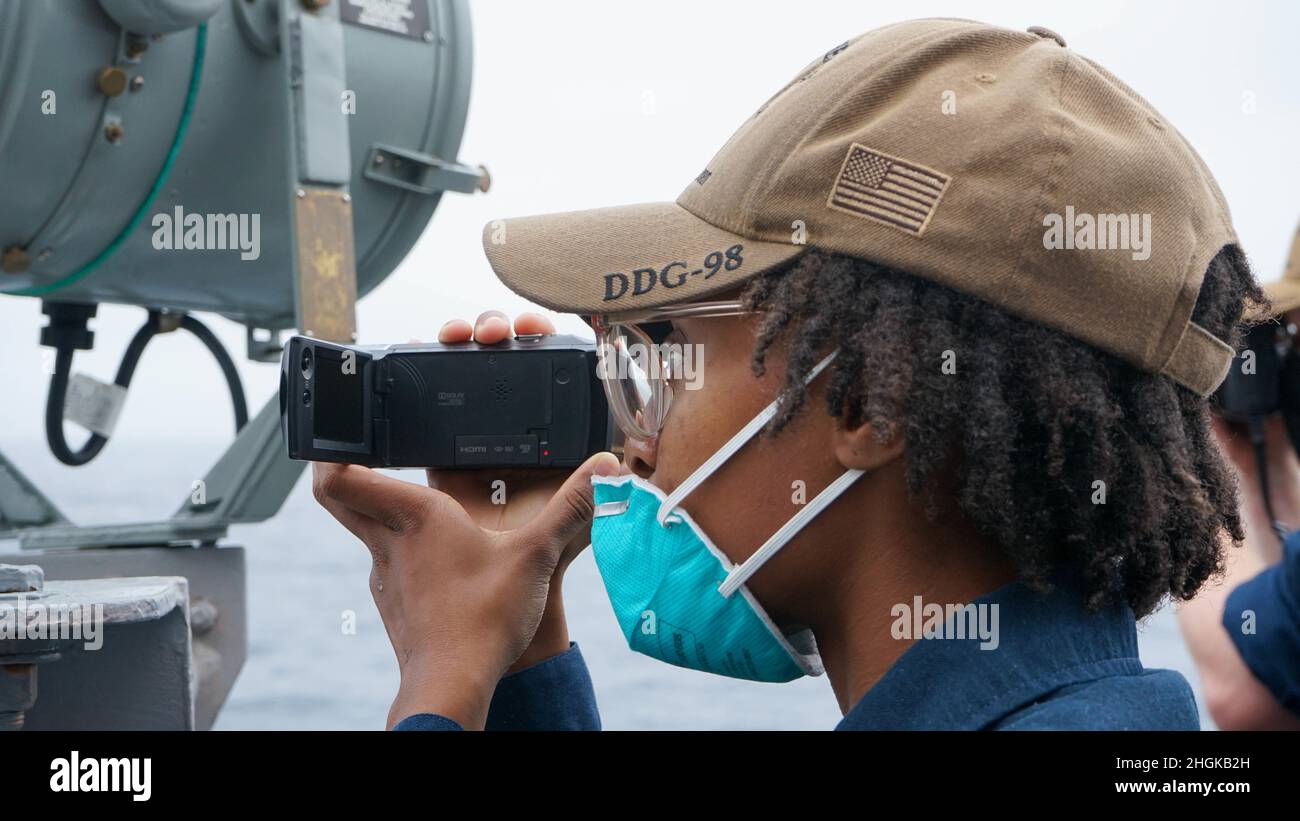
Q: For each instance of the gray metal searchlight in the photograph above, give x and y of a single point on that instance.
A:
(270, 161)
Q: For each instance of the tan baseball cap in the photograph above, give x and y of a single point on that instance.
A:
(998, 163)
(1284, 293)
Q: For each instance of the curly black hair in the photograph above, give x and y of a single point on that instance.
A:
(1032, 418)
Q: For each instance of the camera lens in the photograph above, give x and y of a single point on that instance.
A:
(306, 397)
(306, 362)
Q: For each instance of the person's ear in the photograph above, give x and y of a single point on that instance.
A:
(864, 448)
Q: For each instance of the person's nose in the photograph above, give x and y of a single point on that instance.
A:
(640, 456)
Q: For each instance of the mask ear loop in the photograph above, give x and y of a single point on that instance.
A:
(741, 572)
(725, 452)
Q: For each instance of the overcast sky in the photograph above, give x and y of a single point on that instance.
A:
(585, 104)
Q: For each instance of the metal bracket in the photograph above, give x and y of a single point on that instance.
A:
(326, 285)
(248, 483)
(261, 349)
(22, 505)
(421, 173)
(324, 252)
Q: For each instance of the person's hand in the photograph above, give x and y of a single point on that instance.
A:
(462, 584)
(460, 602)
(507, 499)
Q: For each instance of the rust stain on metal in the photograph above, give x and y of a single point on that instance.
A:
(327, 266)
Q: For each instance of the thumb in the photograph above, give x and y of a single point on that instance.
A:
(571, 508)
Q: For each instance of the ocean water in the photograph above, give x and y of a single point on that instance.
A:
(307, 578)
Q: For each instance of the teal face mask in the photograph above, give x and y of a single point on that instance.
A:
(676, 596)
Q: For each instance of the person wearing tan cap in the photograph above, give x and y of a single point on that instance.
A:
(1244, 628)
(1284, 294)
(913, 378)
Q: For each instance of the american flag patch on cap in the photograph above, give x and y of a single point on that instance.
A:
(886, 189)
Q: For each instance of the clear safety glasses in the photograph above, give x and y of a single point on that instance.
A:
(638, 373)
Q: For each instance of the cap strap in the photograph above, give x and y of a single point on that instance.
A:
(741, 572)
(1200, 360)
(704, 471)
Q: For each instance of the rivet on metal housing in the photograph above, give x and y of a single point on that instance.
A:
(15, 260)
(111, 81)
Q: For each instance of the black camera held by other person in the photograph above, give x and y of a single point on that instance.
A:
(1264, 379)
(527, 402)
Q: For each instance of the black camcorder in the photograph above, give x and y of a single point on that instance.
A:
(1267, 382)
(1264, 379)
(526, 402)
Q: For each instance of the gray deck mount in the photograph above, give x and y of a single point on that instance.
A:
(336, 123)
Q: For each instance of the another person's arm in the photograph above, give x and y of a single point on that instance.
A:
(1262, 616)
(1235, 696)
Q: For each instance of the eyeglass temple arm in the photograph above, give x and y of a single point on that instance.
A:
(697, 309)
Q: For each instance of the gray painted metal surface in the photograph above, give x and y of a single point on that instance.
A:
(217, 604)
(21, 578)
(160, 16)
(262, 128)
(22, 504)
(323, 152)
(97, 654)
(69, 190)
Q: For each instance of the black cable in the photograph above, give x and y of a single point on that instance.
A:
(218, 350)
(54, 416)
(57, 398)
(1257, 439)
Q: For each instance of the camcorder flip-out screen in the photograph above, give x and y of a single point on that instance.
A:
(522, 403)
